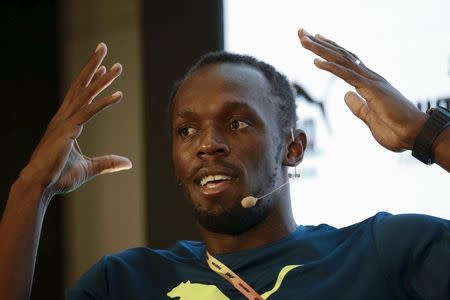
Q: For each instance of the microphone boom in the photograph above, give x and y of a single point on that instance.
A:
(251, 201)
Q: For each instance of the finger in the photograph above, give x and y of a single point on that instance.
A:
(348, 75)
(324, 50)
(82, 80)
(99, 73)
(358, 106)
(103, 82)
(350, 56)
(90, 110)
(355, 62)
(366, 71)
(99, 165)
(302, 32)
(331, 51)
(92, 65)
(329, 43)
(109, 164)
(312, 44)
(320, 39)
(335, 55)
(334, 45)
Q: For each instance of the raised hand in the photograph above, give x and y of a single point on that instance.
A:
(56, 166)
(57, 163)
(393, 120)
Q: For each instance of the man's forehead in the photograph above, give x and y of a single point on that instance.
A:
(225, 106)
(222, 88)
(220, 77)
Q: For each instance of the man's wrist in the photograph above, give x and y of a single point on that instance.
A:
(29, 186)
(415, 129)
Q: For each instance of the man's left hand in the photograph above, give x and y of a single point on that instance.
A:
(393, 120)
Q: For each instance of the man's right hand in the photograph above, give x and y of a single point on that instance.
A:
(57, 165)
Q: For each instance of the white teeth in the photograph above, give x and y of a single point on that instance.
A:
(209, 178)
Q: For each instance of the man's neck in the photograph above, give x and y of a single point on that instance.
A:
(273, 228)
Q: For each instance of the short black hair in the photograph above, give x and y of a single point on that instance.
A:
(279, 84)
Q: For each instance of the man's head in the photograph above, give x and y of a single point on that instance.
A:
(229, 139)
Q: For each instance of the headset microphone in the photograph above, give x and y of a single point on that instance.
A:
(250, 201)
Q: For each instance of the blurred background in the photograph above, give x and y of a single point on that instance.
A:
(346, 177)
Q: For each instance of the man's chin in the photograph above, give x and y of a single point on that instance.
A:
(231, 221)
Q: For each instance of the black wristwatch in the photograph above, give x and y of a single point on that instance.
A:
(439, 119)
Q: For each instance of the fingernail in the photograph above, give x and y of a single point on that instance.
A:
(319, 36)
(116, 169)
(99, 46)
(117, 94)
(116, 66)
(319, 61)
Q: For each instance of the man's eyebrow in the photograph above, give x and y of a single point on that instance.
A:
(184, 114)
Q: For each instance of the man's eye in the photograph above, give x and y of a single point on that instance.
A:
(186, 131)
(236, 125)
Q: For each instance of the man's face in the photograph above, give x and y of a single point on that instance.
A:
(226, 145)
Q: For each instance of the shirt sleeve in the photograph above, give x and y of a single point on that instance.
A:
(414, 251)
(92, 285)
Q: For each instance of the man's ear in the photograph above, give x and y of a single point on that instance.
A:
(295, 148)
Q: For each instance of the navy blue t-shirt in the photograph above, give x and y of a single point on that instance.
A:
(384, 257)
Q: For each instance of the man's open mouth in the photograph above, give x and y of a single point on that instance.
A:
(213, 181)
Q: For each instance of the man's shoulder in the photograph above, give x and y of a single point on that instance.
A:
(413, 248)
(387, 223)
(383, 228)
(408, 229)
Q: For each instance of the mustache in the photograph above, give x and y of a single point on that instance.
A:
(222, 164)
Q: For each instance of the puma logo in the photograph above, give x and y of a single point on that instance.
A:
(197, 291)
(187, 290)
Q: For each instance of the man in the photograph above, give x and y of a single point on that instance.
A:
(233, 137)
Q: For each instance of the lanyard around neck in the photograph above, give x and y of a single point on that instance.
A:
(242, 286)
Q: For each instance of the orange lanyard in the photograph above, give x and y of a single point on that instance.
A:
(242, 286)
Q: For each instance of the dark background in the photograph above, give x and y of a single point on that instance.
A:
(30, 87)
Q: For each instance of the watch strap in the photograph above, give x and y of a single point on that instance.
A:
(439, 119)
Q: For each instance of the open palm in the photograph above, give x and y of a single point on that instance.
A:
(58, 162)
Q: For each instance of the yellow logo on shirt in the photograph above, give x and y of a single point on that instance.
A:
(198, 291)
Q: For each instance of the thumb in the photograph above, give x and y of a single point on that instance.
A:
(357, 105)
(109, 164)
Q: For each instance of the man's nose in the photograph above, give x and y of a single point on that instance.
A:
(212, 143)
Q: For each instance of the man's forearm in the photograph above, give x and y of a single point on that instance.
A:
(20, 229)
